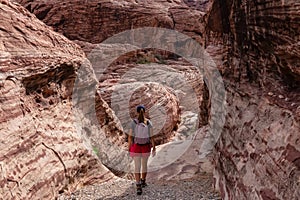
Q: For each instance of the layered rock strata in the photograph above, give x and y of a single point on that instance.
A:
(256, 48)
(95, 21)
(106, 18)
(166, 90)
(41, 150)
(257, 156)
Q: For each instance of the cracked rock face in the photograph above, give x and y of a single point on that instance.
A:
(258, 152)
(165, 90)
(99, 20)
(41, 151)
(81, 28)
(256, 48)
(95, 21)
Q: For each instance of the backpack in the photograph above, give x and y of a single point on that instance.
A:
(141, 133)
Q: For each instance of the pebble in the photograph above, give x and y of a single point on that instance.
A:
(280, 96)
(200, 188)
(270, 93)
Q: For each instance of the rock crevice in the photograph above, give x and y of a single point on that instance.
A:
(255, 45)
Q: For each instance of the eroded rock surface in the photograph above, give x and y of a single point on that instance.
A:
(41, 151)
(95, 21)
(258, 152)
(99, 20)
(166, 90)
(256, 48)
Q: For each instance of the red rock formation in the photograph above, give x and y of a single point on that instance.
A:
(258, 152)
(40, 150)
(104, 19)
(95, 21)
(256, 47)
(178, 84)
(155, 97)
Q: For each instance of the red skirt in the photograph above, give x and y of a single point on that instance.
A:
(140, 150)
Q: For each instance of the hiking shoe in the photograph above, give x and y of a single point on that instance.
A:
(139, 189)
(143, 183)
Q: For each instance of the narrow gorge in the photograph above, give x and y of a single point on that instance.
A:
(220, 79)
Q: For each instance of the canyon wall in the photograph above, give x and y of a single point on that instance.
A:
(42, 152)
(257, 156)
(91, 23)
(256, 48)
(95, 21)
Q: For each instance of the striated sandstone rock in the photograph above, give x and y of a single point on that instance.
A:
(258, 152)
(256, 47)
(41, 152)
(169, 87)
(179, 160)
(98, 20)
(87, 32)
(130, 87)
(202, 5)
(119, 81)
(95, 21)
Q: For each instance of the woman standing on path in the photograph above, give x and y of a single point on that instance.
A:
(139, 143)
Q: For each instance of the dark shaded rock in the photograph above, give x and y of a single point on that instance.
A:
(257, 152)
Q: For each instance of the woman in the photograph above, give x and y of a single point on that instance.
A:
(140, 147)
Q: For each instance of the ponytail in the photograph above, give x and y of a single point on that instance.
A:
(141, 116)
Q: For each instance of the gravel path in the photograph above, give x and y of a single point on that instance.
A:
(198, 189)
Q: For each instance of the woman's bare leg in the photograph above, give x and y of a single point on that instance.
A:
(144, 167)
(137, 168)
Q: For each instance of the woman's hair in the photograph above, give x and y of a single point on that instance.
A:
(141, 111)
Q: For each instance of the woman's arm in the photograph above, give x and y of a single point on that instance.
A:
(152, 141)
(129, 139)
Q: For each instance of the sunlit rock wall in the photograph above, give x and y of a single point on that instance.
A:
(41, 150)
